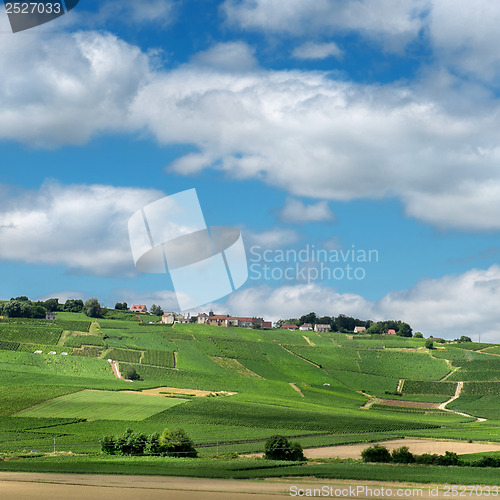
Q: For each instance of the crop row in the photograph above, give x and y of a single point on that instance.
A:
(127, 355)
(428, 387)
(159, 358)
(30, 334)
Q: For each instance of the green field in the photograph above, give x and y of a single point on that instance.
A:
(101, 405)
(76, 398)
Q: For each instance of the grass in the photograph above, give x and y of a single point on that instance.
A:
(101, 405)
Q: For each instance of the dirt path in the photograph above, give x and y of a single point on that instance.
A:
(401, 384)
(16, 486)
(116, 370)
(458, 390)
(296, 388)
(312, 344)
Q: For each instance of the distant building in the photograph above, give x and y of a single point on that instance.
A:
(306, 327)
(390, 332)
(201, 319)
(321, 328)
(139, 308)
(50, 315)
(168, 318)
(267, 324)
(289, 327)
(218, 319)
(359, 329)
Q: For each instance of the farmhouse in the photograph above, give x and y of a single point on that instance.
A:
(140, 308)
(50, 315)
(202, 318)
(321, 328)
(168, 318)
(359, 329)
(218, 320)
(390, 332)
(306, 327)
(289, 327)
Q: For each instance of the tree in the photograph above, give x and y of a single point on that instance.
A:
(93, 308)
(429, 344)
(402, 455)
(131, 374)
(464, 338)
(74, 305)
(176, 443)
(52, 305)
(309, 318)
(418, 335)
(156, 310)
(376, 453)
(121, 306)
(279, 448)
(404, 329)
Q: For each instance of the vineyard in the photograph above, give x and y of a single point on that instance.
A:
(294, 383)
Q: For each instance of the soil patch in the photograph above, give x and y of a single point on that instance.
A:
(166, 391)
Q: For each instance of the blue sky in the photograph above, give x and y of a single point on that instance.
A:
(366, 125)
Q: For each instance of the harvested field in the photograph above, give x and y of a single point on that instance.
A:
(99, 487)
(165, 391)
(417, 446)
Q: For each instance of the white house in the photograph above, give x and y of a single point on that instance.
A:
(321, 328)
(306, 327)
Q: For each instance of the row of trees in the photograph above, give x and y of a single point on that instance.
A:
(23, 307)
(379, 453)
(343, 323)
(171, 443)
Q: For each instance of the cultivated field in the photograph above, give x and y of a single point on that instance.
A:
(325, 389)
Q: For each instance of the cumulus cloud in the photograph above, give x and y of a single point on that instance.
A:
(295, 211)
(229, 56)
(301, 131)
(82, 227)
(48, 100)
(393, 22)
(312, 50)
(447, 307)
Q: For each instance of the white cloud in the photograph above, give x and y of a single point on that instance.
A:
(82, 227)
(229, 56)
(435, 148)
(393, 22)
(312, 50)
(274, 238)
(447, 307)
(47, 100)
(295, 211)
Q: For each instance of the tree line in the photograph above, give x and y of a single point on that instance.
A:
(345, 324)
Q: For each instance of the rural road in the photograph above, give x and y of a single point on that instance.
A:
(24, 486)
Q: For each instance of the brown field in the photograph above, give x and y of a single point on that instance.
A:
(416, 446)
(23, 486)
(165, 391)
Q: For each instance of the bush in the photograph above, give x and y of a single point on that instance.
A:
(429, 344)
(402, 455)
(108, 445)
(129, 443)
(176, 444)
(376, 453)
(131, 374)
(279, 448)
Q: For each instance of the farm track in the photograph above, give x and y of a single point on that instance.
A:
(296, 388)
(302, 358)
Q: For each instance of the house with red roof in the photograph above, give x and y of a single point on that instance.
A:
(139, 308)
